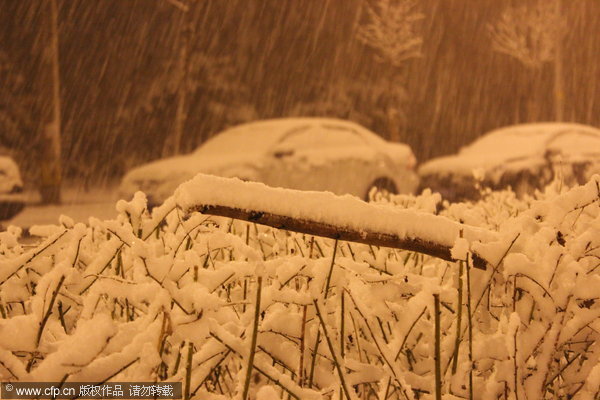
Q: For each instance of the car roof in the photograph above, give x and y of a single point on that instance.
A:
(530, 139)
(260, 136)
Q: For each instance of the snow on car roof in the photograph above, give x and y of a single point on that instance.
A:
(528, 139)
(521, 145)
(260, 136)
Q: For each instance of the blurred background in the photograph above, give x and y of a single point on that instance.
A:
(142, 79)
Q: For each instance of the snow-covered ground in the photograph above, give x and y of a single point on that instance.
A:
(77, 203)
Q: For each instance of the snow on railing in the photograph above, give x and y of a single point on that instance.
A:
(327, 215)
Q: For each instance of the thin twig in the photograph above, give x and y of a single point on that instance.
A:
(336, 362)
(253, 340)
(48, 311)
(438, 352)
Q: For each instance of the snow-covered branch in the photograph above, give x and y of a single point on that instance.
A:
(327, 215)
(529, 34)
(391, 30)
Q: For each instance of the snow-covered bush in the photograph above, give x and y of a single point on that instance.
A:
(237, 310)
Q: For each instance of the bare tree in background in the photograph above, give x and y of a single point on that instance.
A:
(201, 88)
(14, 106)
(392, 31)
(50, 144)
(534, 35)
(337, 98)
(186, 30)
(354, 99)
(197, 70)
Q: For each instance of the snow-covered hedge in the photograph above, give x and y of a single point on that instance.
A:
(232, 309)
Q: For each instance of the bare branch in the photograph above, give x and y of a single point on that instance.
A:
(317, 228)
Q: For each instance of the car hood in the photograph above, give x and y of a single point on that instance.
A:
(192, 164)
(159, 179)
(488, 166)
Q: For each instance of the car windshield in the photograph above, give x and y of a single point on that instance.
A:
(251, 138)
(322, 136)
(515, 143)
(576, 143)
(281, 134)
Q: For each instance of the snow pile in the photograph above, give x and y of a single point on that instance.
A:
(165, 296)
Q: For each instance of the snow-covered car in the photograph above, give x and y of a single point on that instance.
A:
(525, 157)
(298, 153)
(11, 189)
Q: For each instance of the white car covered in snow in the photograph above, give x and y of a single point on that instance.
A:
(525, 157)
(298, 153)
(11, 188)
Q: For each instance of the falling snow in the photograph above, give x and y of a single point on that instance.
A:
(106, 278)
